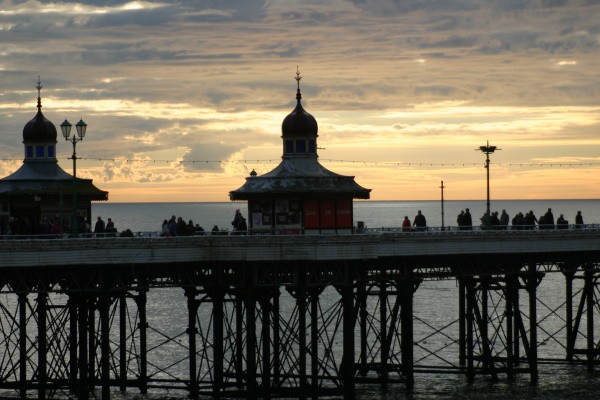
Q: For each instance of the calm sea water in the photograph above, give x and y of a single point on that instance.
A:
(148, 217)
(435, 301)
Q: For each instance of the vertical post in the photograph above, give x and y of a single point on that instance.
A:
(533, 344)
(362, 302)
(442, 188)
(191, 331)
(42, 344)
(266, 345)
(470, 289)
(83, 349)
(510, 288)
(569, 314)
(348, 340)
(103, 308)
(462, 341)
(406, 317)
(239, 339)
(218, 295)
(143, 326)
(589, 296)
(72, 304)
(314, 344)
(92, 343)
(251, 342)
(276, 339)
(301, 302)
(383, 365)
(123, 341)
(22, 344)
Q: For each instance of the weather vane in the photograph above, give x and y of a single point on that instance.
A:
(39, 89)
(298, 76)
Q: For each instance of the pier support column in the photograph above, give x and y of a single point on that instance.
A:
(470, 342)
(72, 305)
(362, 304)
(42, 349)
(218, 296)
(570, 347)
(348, 339)
(192, 306)
(589, 300)
(83, 348)
(239, 339)
(22, 298)
(462, 334)
(406, 321)
(250, 301)
(383, 320)
(123, 341)
(91, 343)
(141, 300)
(265, 305)
(104, 311)
(302, 349)
(276, 340)
(532, 284)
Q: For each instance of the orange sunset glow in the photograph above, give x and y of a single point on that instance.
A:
(184, 99)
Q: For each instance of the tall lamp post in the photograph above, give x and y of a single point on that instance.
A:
(66, 131)
(487, 150)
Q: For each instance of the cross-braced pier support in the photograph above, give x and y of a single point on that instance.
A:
(495, 327)
(272, 331)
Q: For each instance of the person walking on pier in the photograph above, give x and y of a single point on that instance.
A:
(420, 222)
(530, 220)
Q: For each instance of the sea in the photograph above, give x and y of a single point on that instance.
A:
(434, 300)
(148, 217)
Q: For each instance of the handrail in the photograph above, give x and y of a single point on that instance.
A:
(430, 230)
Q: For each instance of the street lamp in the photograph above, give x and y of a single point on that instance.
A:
(66, 131)
(487, 150)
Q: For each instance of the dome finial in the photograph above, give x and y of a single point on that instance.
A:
(39, 89)
(298, 78)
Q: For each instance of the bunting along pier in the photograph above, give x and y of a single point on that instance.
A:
(290, 316)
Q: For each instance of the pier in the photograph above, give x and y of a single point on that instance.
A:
(302, 316)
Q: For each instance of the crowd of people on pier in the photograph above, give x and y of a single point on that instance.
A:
(498, 221)
(176, 226)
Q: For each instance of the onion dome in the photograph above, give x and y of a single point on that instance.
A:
(39, 129)
(299, 122)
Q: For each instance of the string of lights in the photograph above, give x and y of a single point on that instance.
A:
(373, 163)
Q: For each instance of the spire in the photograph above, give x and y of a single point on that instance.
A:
(298, 78)
(39, 89)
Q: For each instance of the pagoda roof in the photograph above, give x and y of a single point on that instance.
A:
(300, 176)
(47, 178)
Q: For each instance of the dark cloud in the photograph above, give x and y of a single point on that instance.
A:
(438, 90)
(209, 156)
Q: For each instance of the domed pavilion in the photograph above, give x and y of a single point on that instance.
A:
(40, 191)
(299, 195)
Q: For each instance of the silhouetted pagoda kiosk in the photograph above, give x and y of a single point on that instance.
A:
(299, 195)
(40, 191)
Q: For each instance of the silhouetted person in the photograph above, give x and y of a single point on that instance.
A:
(468, 220)
(420, 222)
(99, 226)
(504, 220)
(460, 220)
(530, 220)
(406, 224)
(547, 221)
(579, 220)
(561, 222)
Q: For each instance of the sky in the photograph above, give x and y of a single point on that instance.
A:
(184, 98)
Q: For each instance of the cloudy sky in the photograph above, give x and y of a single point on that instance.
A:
(184, 98)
